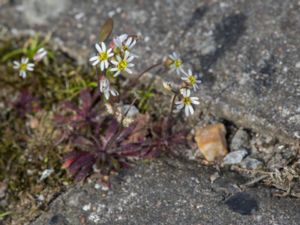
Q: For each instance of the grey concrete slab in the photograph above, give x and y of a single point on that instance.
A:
(170, 192)
(248, 51)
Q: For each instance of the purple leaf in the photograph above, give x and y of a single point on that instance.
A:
(84, 172)
(83, 143)
(126, 132)
(82, 161)
(110, 132)
(86, 100)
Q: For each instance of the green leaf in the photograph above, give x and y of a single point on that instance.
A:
(4, 214)
(106, 29)
(12, 54)
(92, 84)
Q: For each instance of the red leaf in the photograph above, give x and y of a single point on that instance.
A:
(70, 158)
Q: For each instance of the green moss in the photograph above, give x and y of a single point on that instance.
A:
(28, 138)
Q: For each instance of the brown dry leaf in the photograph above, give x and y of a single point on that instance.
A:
(106, 29)
(140, 131)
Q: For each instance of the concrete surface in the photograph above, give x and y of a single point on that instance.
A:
(170, 192)
(248, 51)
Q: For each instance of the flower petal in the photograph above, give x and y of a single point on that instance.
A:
(114, 62)
(117, 73)
(103, 46)
(98, 47)
(102, 66)
(191, 109)
(93, 58)
(186, 111)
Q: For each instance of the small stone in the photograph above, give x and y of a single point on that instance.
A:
(79, 16)
(242, 203)
(97, 186)
(41, 198)
(102, 187)
(87, 207)
(46, 174)
(111, 13)
(251, 163)
(235, 157)
(240, 140)
(211, 141)
(214, 177)
(129, 112)
(58, 219)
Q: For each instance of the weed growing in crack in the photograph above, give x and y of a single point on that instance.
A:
(113, 122)
(102, 141)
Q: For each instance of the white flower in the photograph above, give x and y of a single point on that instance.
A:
(176, 63)
(102, 57)
(23, 66)
(186, 102)
(128, 45)
(125, 43)
(40, 54)
(122, 64)
(120, 39)
(106, 89)
(191, 79)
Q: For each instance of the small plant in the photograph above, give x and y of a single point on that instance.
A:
(101, 141)
(32, 52)
(144, 96)
(97, 128)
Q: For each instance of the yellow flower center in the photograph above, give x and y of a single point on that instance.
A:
(23, 66)
(103, 56)
(122, 65)
(178, 63)
(187, 101)
(125, 48)
(192, 79)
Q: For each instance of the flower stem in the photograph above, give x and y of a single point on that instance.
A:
(172, 107)
(145, 71)
(98, 80)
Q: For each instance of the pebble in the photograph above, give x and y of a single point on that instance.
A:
(46, 173)
(242, 203)
(251, 163)
(240, 139)
(129, 111)
(41, 198)
(87, 207)
(211, 141)
(235, 157)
